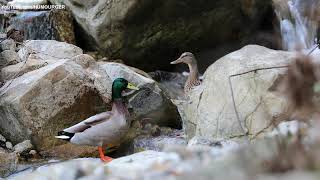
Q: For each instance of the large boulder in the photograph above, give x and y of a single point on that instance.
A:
(62, 92)
(148, 34)
(54, 24)
(256, 99)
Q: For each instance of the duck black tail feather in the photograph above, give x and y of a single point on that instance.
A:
(64, 135)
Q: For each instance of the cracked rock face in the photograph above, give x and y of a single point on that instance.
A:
(257, 103)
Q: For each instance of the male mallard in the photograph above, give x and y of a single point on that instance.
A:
(105, 128)
(193, 79)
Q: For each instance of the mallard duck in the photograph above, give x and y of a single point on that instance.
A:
(193, 79)
(107, 128)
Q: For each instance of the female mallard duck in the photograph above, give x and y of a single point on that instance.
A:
(193, 79)
(105, 128)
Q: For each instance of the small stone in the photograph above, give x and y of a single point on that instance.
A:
(32, 152)
(23, 146)
(8, 44)
(9, 145)
(2, 138)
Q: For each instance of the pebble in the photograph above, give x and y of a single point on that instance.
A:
(9, 145)
(2, 138)
(23, 146)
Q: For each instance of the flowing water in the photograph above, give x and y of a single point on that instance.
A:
(299, 21)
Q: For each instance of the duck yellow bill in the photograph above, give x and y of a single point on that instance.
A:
(131, 86)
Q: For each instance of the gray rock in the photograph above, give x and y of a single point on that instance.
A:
(49, 50)
(158, 143)
(257, 101)
(8, 163)
(23, 147)
(17, 70)
(44, 101)
(8, 44)
(143, 32)
(8, 57)
(2, 138)
(9, 145)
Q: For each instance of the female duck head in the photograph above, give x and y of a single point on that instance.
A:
(119, 85)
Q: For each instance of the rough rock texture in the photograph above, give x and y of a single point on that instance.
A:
(45, 25)
(62, 92)
(159, 142)
(177, 163)
(49, 50)
(8, 163)
(148, 34)
(22, 147)
(149, 101)
(257, 101)
(8, 44)
(187, 109)
(8, 57)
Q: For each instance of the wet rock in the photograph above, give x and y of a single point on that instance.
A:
(8, 57)
(23, 147)
(8, 163)
(8, 44)
(255, 94)
(54, 24)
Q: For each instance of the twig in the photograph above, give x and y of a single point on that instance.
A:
(232, 93)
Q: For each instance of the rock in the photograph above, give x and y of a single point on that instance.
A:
(171, 83)
(8, 163)
(186, 107)
(23, 147)
(256, 98)
(9, 145)
(17, 70)
(65, 91)
(148, 34)
(8, 44)
(150, 101)
(54, 97)
(8, 57)
(134, 165)
(2, 138)
(158, 143)
(70, 151)
(49, 50)
(54, 24)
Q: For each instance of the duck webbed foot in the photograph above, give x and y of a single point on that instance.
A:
(102, 156)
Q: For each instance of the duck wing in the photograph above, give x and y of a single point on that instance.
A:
(91, 121)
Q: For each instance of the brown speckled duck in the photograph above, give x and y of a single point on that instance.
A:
(193, 79)
(107, 128)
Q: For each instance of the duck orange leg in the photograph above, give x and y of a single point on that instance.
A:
(102, 156)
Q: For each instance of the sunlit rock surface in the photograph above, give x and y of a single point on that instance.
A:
(256, 98)
(68, 87)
